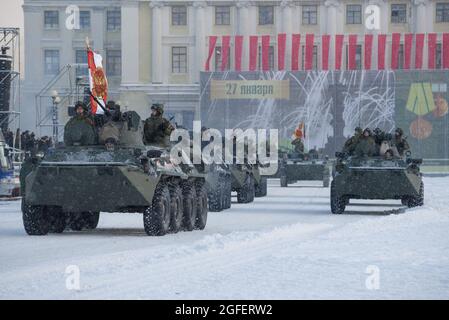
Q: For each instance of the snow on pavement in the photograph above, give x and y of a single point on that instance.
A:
(284, 246)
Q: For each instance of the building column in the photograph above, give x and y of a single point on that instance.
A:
(287, 27)
(244, 29)
(421, 25)
(156, 42)
(200, 40)
(331, 28)
(130, 42)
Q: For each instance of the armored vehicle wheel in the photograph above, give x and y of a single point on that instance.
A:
(246, 193)
(283, 181)
(338, 204)
(91, 219)
(156, 218)
(216, 198)
(412, 202)
(261, 188)
(177, 211)
(201, 206)
(228, 192)
(420, 199)
(36, 219)
(57, 221)
(190, 202)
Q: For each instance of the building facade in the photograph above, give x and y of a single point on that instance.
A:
(155, 50)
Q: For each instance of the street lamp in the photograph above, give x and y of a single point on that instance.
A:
(56, 100)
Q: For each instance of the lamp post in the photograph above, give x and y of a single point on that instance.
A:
(56, 100)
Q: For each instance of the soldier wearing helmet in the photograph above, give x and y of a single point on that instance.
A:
(157, 129)
(400, 141)
(80, 129)
(351, 143)
(366, 146)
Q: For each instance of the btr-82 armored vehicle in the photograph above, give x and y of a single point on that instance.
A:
(69, 186)
(376, 178)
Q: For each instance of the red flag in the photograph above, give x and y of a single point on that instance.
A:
(212, 42)
(338, 50)
(282, 39)
(381, 43)
(352, 50)
(308, 63)
(325, 40)
(265, 53)
(368, 51)
(445, 50)
(225, 52)
(253, 41)
(98, 83)
(408, 43)
(431, 47)
(395, 43)
(419, 47)
(238, 52)
(296, 41)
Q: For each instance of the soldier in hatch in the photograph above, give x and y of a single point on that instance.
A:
(351, 143)
(80, 129)
(366, 146)
(157, 129)
(400, 141)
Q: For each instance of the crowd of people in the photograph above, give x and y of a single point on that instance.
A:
(376, 143)
(26, 141)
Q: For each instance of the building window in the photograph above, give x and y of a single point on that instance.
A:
(51, 62)
(309, 15)
(114, 20)
(114, 62)
(222, 15)
(218, 59)
(179, 15)
(314, 59)
(270, 58)
(398, 13)
(84, 20)
(179, 60)
(81, 58)
(438, 57)
(266, 15)
(358, 57)
(442, 11)
(353, 14)
(51, 19)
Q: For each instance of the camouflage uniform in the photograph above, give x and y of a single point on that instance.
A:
(400, 142)
(351, 143)
(80, 130)
(299, 146)
(366, 146)
(157, 129)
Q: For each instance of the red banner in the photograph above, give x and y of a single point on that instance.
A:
(238, 52)
(368, 51)
(225, 40)
(446, 51)
(98, 84)
(265, 53)
(381, 43)
(352, 50)
(338, 50)
(431, 47)
(253, 42)
(395, 44)
(419, 47)
(296, 40)
(325, 40)
(212, 42)
(308, 62)
(408, 44)
(282, 39)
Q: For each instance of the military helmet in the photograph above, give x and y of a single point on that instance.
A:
(399, 131)
(358, 130)
(377, 130)
(80, 104)
(367, 130)
(159, 107)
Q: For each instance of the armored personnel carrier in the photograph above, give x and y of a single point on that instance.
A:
(68, 187)
(376, 178)
(218, 182)
(294, 167)
(247, 182)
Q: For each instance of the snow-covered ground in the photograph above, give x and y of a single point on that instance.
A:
(284, 246)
